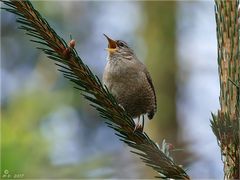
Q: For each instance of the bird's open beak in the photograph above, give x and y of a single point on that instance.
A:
(112, 45)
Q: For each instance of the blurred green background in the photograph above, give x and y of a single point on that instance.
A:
(49, 131)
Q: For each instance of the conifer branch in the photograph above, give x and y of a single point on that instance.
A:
(73, 68)
(225, 124)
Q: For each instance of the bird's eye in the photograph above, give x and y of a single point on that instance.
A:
(120, 44)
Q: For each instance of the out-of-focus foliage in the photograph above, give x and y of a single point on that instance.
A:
(25, 151)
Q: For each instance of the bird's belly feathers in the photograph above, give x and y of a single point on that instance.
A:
(131, 90)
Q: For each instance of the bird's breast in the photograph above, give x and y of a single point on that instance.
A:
(119, 78)
(130, 87)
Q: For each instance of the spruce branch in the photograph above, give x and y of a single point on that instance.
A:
(225, 124)
(73, 68)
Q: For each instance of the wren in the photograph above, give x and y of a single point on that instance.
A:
(129, 81)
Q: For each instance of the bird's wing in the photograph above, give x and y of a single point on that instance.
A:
(149, 79)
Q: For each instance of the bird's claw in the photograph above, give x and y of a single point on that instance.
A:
(121, 106)
(138, 127)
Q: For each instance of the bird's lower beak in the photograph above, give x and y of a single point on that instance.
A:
(112, 45)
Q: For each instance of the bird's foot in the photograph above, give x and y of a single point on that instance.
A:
(138, 127)
(121, 106)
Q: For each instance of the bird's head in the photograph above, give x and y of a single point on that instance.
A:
(119, 48)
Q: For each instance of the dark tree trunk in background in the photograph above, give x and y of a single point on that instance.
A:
(160, 38)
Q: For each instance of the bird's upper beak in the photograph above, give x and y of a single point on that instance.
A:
(112, 45)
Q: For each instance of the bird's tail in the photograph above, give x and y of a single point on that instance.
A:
(151, 114)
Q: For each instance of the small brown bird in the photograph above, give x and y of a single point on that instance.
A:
(129, 81)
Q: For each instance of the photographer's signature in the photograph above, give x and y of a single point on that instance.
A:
(8, 175)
